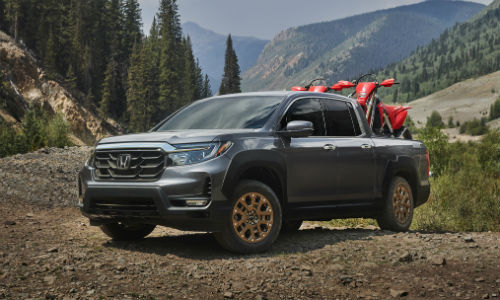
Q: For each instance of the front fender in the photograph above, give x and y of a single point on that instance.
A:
(245, 160)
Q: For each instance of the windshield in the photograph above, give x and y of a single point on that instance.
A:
(249, 112)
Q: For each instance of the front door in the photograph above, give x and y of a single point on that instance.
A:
(309, 159)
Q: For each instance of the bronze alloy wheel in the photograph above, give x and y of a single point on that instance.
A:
(401, 204)
(252, 217)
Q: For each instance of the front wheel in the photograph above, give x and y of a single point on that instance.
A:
(254, 222)
(397, 212)
(127, 232)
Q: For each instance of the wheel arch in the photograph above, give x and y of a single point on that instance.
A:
(406, 168)
(265, 166)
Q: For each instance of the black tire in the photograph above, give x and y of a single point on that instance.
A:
(291, 225)
(266, 200)
(127, 232)
(404, 133)
(397, 212)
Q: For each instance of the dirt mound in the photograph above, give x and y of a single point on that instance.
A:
(46, 177)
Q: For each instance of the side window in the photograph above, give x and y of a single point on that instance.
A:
(306, 110)
(354, 117)
(338, 119)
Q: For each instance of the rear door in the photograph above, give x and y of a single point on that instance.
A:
(354, 166)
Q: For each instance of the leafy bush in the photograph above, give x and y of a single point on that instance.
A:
(474, 127)
(451, 124)
(410, 124)
(435, 120)
(495, 110)
(38, 130)
(12, 140)
(465, 197)
(438, 147)
(57, 132)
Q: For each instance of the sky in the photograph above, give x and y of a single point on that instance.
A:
(266, 18)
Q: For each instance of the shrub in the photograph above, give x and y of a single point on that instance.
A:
(474, 127)
(38, 130)
(57, 132)
(495, 110)
(451, 124)
(12, 141)
(435, 120)
(465, 197)
(438, 147)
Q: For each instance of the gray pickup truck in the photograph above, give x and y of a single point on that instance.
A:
(249, 166)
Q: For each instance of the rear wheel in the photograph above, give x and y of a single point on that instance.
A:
(127, 232)
(404, 133)
(254, 221)
(398, 207)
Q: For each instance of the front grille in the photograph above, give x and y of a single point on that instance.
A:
(141, 206)
(144, 164)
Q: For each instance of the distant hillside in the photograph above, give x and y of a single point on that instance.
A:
(463, 101)
(209, 47)
(343, 48)
(465, 51)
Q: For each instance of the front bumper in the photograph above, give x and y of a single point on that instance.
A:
(161, 202)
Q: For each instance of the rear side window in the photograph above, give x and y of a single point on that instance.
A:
(306, 110)
(354, 117)
(338, 119)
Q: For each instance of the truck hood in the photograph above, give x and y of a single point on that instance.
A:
(174, 137)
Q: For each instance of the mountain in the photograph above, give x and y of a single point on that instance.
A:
(23, 82)
(343, 48)
(209, 47)
(464, 51)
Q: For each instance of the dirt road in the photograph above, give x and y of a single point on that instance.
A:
(55, 254)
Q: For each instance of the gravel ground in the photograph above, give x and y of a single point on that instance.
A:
(48, 250)
(46, 177)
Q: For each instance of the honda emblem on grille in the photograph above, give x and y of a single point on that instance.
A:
(123, 162)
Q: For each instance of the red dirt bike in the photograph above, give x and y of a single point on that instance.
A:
(384, 119)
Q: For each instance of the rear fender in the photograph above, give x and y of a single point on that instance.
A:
(405, 167)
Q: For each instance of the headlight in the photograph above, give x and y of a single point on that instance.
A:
(187, 154)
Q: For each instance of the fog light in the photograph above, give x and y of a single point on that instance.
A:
(196, 202)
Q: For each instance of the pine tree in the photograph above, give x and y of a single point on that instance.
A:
(188, 80)
(132, 24)
(4, 24)
(111, 104)
(70, 80)
(141, 97)
(231, 80)
(206, 90)
(171, 65)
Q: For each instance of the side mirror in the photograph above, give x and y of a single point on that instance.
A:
(298, 129)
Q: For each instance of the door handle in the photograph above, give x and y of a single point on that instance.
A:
(366, 146)
(329, 147)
